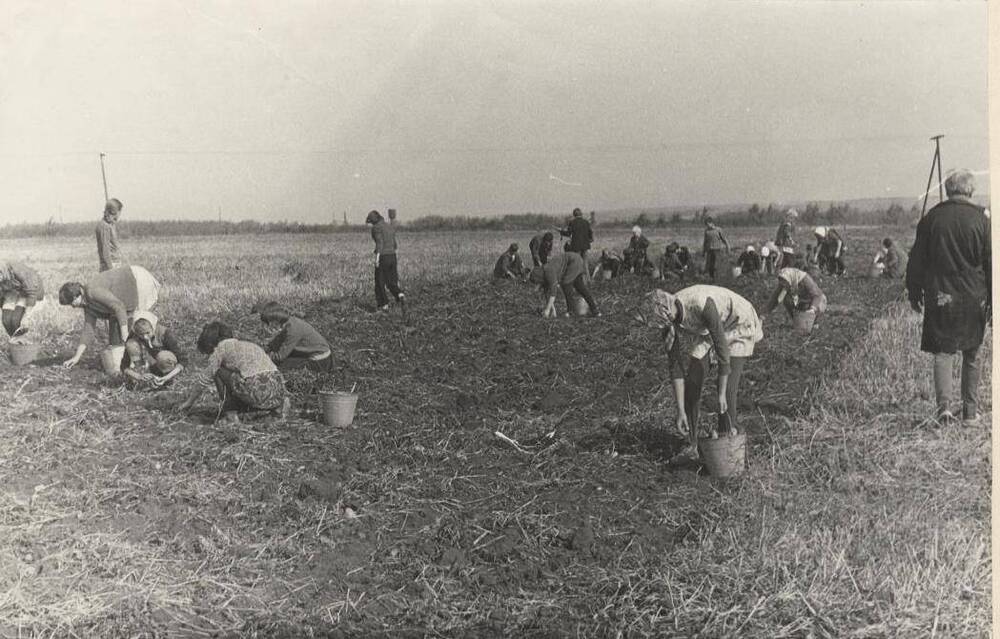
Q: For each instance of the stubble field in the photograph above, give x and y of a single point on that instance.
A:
(858, 516)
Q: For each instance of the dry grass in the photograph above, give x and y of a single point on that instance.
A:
(118, 519)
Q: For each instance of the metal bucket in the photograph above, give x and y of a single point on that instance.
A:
(338, 408)
(725, 456)
(23, 354)
(737, 271)
(111, 359)
(803, 321)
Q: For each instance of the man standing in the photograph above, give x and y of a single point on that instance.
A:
(107, 236)
(386, 274)
(948, 279)
(580, 235)
(712, 246)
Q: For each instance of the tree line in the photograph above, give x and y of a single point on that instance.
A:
(755, 215)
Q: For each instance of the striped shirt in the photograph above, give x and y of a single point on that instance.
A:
(246, 358)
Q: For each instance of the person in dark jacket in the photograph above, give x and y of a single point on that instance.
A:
(108, 253)
(611, 262)
(153, 357)
(749, 261)
(509, 265)
(635, 255)
(580, 235)
(712, 246)
(540, 247)
(386, 272)
(892, 259)
(569, 272)
(831, 251)
(20, 289)
(113, 296)
(296, 344)
(948, 280)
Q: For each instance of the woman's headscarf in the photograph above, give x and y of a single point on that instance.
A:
(144, 315)
(659, 309)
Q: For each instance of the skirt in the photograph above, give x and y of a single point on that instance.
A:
(264, 391)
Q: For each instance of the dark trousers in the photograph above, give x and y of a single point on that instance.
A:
(386, 275)
(712, 261)
(580, 286)
(298, 360)
(114, 332)
(12, 319)
(694, 381)
(943, 363)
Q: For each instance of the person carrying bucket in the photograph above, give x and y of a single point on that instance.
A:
(114, 296)
(569, 273)
(831, 250)
(153, 357)
(798, 291)
(296, 344)
(722, 322)
(243, 375)
(386, 267)
(20, 289)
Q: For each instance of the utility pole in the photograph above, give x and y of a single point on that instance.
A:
(104, 178)
(345, 218)
(935, 161)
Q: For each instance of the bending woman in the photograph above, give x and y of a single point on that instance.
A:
(798, 291)
(721, 321)
(297, 344)
(244, 376)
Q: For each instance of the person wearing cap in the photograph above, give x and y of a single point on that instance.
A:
(386, 271)
(635, 254)
(296, 344)
(786, 230)
(712, 246)
(20, 290)
(798, 291)
(153, 356)
(113, 296)
(108, 253)
(721, 322)
(540, 247)
(569, 272)
(579, 233)
(831, 250)
(892, 258)
(948, 279)
(749, 261)
(509, 265)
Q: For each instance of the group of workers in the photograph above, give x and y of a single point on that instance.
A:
(947, 278)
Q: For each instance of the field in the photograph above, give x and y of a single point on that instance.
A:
(858, 516)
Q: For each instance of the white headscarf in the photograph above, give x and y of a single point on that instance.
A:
(636, 231)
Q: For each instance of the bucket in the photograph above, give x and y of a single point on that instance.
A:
(338, 408)
(580, 306)
(725, 456)
(876, 271)
(606, 273)
(737, 271)
(802, 321)
(111, 359)
(23, 354)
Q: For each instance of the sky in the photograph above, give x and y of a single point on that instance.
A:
(309, 110)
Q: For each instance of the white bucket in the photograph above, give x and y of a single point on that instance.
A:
(111, 359)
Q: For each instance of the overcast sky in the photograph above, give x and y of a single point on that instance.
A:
(304, 110)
